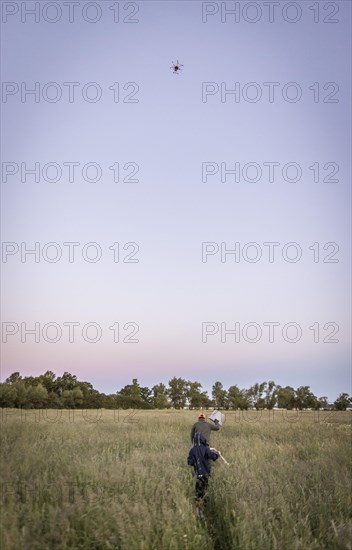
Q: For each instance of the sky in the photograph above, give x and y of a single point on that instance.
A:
(192, 204)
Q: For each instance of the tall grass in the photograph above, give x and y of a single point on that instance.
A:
(121, 481)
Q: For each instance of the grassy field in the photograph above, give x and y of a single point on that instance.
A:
(119, 480)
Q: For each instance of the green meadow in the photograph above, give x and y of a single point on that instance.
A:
(104, 479)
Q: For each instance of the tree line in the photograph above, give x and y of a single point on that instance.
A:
(66, 391)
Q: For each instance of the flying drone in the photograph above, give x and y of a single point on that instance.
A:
(176, 67)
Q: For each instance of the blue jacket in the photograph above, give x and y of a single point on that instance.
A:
(200, 454)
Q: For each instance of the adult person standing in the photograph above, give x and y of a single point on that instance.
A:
(204, 427)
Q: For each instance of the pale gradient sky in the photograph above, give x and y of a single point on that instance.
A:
(170, 212)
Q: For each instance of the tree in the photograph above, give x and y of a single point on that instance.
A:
(255, 394)
(207, 403)
(66, 382)
(132, 392)
(219, 395)
(48, 380)
(68, 399)
(127, 398)
(271, 394)
(37, 397)
(160, 400)
(46, 390)
(13, 378)
(234, 397)
(178, 392)
(342, 402)
(146, 395)
(54, 401)
(134, 396)
(305, 399)
(86, 388)
(196, 398)
(77, 397)
(7, 395)
(21, 394)
(72, 399)
(95, 400)
(323, 402)
(109, 401)
(30, 381)
(286, 398)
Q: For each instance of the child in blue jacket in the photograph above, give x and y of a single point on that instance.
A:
(199, 457)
